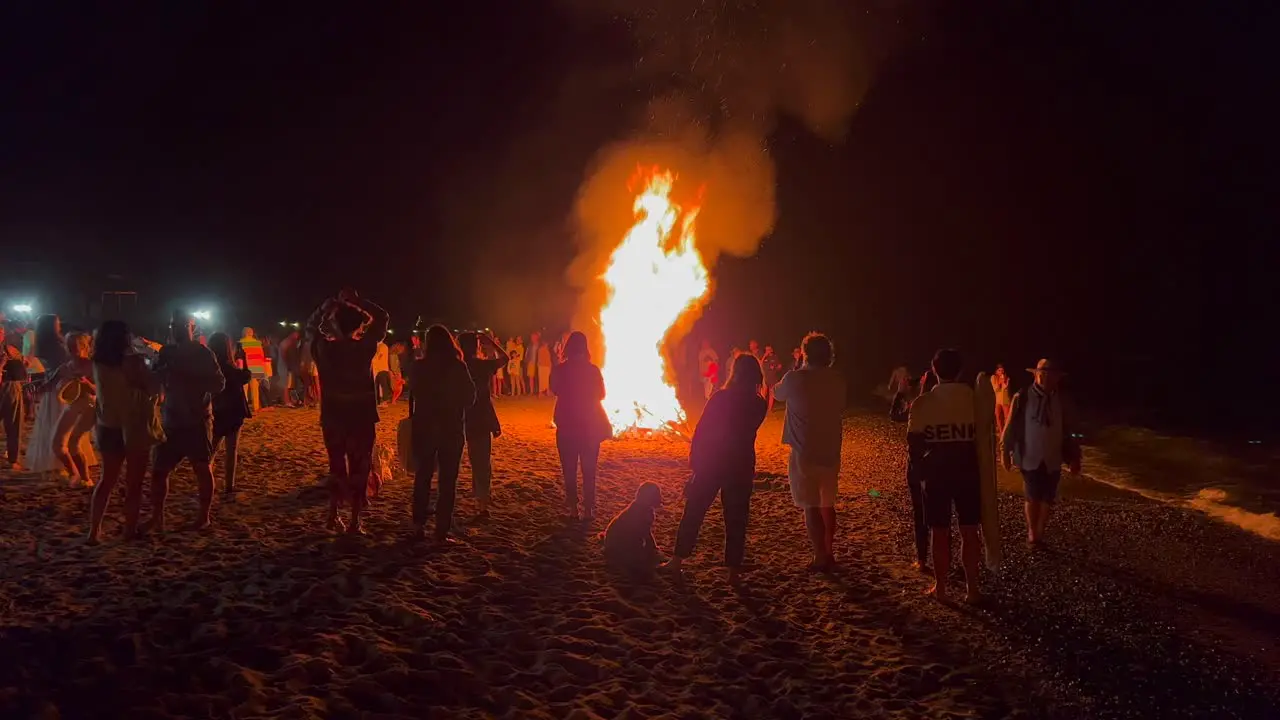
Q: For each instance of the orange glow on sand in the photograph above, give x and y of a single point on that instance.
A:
(655, 279)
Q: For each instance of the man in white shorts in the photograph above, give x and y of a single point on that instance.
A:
(815, 394)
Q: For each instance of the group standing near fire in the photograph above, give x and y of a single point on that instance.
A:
(161, 405)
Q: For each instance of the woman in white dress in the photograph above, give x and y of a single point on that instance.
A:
(62, 449)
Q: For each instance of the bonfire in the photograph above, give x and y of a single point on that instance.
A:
(656, 280)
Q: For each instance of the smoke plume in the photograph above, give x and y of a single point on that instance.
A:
(719, 74)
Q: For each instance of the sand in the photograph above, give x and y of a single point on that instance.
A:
(1140, 611)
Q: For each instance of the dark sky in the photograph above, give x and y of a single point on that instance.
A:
(1092, 180)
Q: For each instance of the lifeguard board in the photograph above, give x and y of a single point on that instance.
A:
(984, 420)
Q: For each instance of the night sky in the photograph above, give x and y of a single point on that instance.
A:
(1084, 180)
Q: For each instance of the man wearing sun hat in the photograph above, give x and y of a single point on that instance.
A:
(1039, 438)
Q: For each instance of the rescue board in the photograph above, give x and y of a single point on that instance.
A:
(984, 421)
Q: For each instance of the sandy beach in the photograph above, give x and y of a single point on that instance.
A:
(1139, 609)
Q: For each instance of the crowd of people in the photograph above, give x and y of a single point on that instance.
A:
(154, 407)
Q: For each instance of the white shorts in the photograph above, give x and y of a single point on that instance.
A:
(812, 486)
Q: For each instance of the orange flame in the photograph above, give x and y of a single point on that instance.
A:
(655, 277)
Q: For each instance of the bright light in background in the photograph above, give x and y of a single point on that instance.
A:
(284, 324)
(390, 331)
(296, 324)
(202, 314)
(22, 308)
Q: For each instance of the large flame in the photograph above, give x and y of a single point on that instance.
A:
(654, 277)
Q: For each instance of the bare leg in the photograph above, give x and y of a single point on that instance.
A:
(159, 494)
(204, 485)
(82, 465)
(134, 474)
(1029, 510)
(829, 533)
(111, 465)
(971, 556)
(813, 522)
(941, 540)
(61, 438)
(229, 461)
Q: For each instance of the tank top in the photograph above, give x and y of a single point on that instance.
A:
(113, 395)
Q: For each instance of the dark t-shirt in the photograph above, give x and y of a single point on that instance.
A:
(346, 376)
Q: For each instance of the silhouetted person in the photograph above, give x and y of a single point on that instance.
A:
(440, 392)
(900, 411)
(231, 407)
(191, 378)
(581, 422)
(482, 424)
(723, 459)
(343, 335)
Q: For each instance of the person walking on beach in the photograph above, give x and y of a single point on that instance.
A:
(440, 392)
(482, 424)
(942, 442)
(343, 336)
(815, 396)
(1000, 385)
(191, 378)
(1039, 439)
(723, 459)
(127, 423)
(581, 423)
(255, 355)
(230, 407)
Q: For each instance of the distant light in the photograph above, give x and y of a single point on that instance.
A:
(22, 308)
(202, 314)
(284, 324)
(296, 324)
(390, 331)
(1255, 442)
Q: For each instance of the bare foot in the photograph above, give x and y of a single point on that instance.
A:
(203, 524)
(921, 567)
(735, 576)
(356, 528)
(973, 597)
(446, 540)
(91, 540)
(672, 565)
(335, 524)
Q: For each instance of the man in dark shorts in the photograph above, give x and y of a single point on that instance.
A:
(346, 331)
(1039, 438)
(941, 441)
(191, 378)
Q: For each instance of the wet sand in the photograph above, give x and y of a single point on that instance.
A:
(1138, 610)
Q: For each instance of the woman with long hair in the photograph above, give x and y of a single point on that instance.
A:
(230, 407)
(723, 459)
(440, 392)
(50, 347)
(75, 393)
(125, 407)
(581, 422)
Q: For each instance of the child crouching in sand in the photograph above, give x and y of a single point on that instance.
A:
(629, 545)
